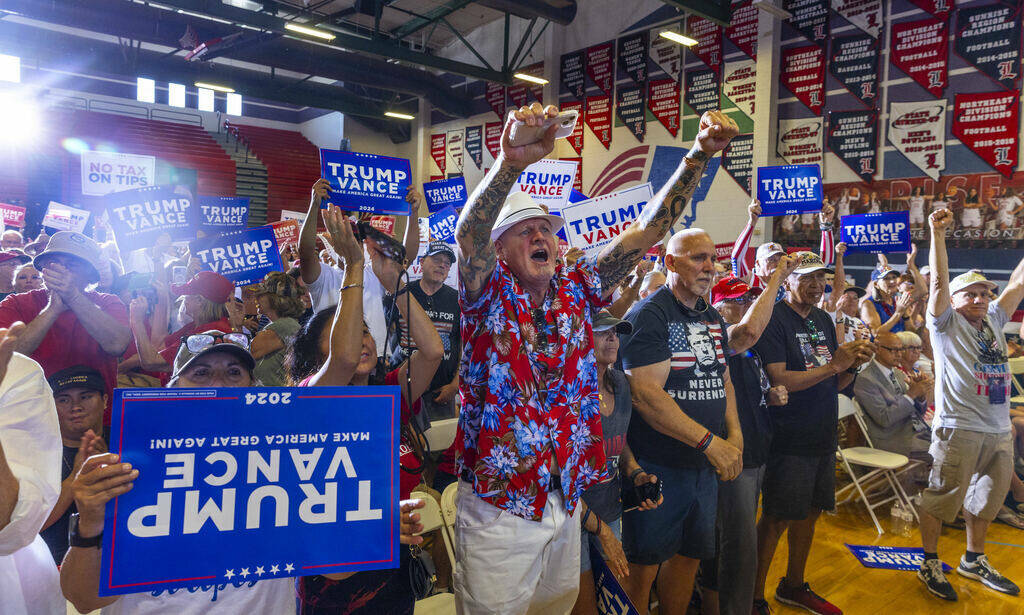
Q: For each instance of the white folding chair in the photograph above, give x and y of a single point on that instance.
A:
(448, 511)
(1017, 371)
(883, 464)
(431, 519)
(441, 434)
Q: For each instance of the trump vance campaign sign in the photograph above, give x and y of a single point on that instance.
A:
(876, 233)
(138, 217)
(548, 182)
(789, 189)
(442, 225)
(220, 214)
(445, 192)
(367, 182)
(238, 484)
(243, 257)
(592, 224)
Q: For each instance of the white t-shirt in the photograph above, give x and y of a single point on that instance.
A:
(323, 293)
(843, 206)
(937, 205)
(916, 203)
(1008, 204)
(269, 597)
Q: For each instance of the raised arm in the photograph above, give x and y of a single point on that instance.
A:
(412, 227)
(920, 288)
(619, 257)
(739, 249)
(826, 222)
(477, 258)
(309, 260)
(1012, 295)
(748, 330)
(938, 261)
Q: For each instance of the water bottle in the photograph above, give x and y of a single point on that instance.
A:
(898, 520)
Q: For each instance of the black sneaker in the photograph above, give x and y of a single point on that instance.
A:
(934, 579)
(981, 570)
(761, 607)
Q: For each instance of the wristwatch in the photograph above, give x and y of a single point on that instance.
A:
(76, 540)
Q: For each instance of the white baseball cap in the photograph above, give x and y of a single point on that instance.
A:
(767, 250)
(970, 278)
(518, 207)
(809, 263)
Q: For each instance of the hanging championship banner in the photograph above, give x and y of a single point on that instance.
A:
(106, 172)
(810, 17)
(548, 182)
(987, 123)
(742, 30)
(65, 217)
(708, 35)
(601, 66)
(442, 225)
(13, 215)
(882, 233)
(854, 62)
(701, 93)
(286, 233)
(445, 193)
(577, 182)
(139, 217)
(865, 14)
(575, 139)
(989, 38)
(668, 55)
(738, 160)
(454, 144)
(366, 182)
(803, 73)
(800, 141)
(663, 101)
(789, 189)
(633, 56)
(739, 84)
(853, 136)
(629, 104)
(939, 8)
(591, 225)
(474, 144)
(921, 50)
(599, 118)
(572, 74)
(438, 153)
(236, 485)
(492, 138)
(220, 214)
(495, 95)
(522, 94)
(918, 131)
(244, 257)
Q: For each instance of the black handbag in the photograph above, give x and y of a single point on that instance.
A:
(422, 573)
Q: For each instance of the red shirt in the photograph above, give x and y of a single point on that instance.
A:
(67, 343)
(526, 396)
(173, 341)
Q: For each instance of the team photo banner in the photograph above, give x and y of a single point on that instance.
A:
(548, 182)
(592, 224)
(789, 189)
(138, 217)
(442, 225)
(876, 233)
(243, 257)
(444, 193)
(988, 125)
(106, 172)
(13, 215)
(238, 485)
(367, 182)
(220, 214)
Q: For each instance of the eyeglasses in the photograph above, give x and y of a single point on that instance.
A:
(745, 300)
(917, 348)
(890, 349)
(201, 341)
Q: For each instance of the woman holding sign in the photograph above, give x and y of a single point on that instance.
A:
(336, 348)
(885, 309)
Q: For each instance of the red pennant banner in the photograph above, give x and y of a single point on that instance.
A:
(742, 30)
(663, 101)
(577, 180)
(438, 152)
(601, 66)
(987, 123)
(939, 8)
(803, 73)
(492, 138)
(576, 138)
(495, 94)
(921, 50)
(708, 35)
(599, 118)
(521, 94)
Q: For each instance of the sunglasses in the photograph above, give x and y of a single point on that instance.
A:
(201, 341)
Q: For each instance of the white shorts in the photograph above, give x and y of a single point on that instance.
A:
(1007, 219)
(917, 215)
(807, 218)
(971, 218)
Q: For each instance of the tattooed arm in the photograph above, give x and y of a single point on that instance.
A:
(619, 257)
(477, 258)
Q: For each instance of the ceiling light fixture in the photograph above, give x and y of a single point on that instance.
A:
(213, 86)
(294, 27)
(399, 116)
(676, 37)
(531, 78)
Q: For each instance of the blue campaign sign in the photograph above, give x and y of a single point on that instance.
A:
(789, 189)
(892, 558)
(248, 484)
(611, 598)
(367, 182)
(139, 217)
(876, 233)
(445, 192)
(243, 257)
(442, 225)
(220, 214)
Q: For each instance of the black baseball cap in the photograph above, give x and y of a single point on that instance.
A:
(78, 376)
(440, 247)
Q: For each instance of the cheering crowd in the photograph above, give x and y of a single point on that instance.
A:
(607, 407)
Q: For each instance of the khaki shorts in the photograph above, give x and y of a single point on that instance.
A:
(970, 469)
